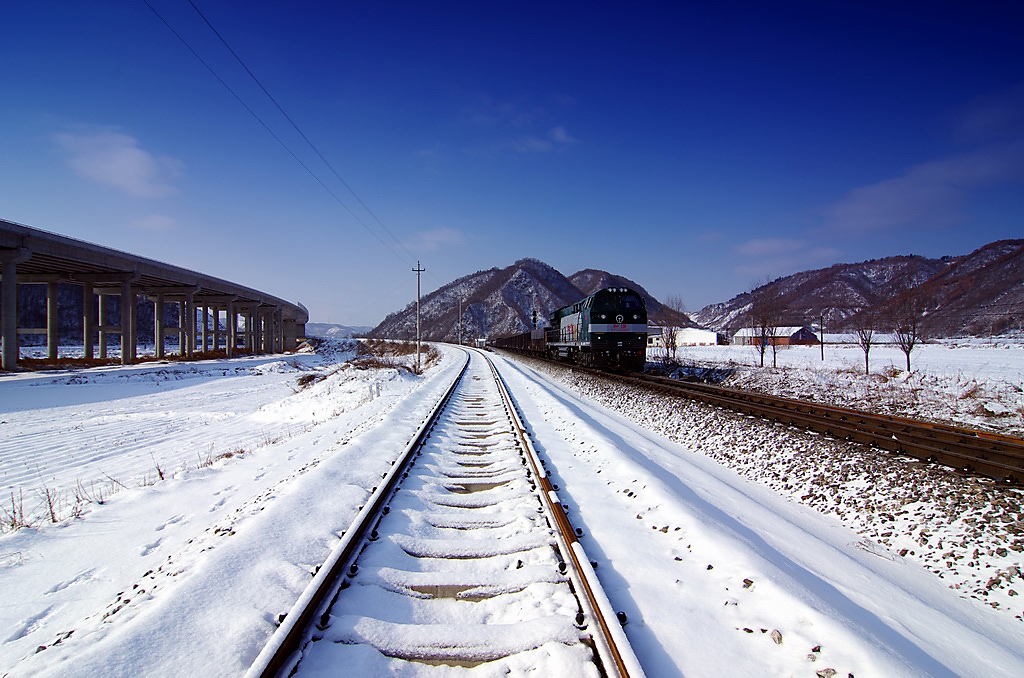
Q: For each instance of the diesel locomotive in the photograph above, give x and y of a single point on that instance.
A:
(608, 329)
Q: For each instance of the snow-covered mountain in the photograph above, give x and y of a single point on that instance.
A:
(977, 293)
(838, 292)
(591, 280)
(980, 294)
(333, 331)
(502, 301)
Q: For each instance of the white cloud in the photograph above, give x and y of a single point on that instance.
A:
(516, 127)
(491, 113)
(430, 241)
(560, 136)
(115, 159)
(555, 138)
(929, 195)
(993, 116)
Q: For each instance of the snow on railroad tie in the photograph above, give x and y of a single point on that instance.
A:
(463, 570)
(459, 645)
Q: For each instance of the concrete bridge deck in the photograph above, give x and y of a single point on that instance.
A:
(231, 317)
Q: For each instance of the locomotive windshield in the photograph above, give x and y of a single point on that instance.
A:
(631, 302)
(614, 303)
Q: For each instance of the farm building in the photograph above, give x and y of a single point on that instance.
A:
(781, 336)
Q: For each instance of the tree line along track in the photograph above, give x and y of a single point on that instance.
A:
(464, 556)
(997, 456)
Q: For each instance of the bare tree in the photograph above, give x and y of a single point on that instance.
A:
(765, 316)
(865, 327)
(670, 331)
(906, 322)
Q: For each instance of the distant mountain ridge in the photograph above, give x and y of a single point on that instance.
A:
(980, 293)
(333, 331)
(499, 302)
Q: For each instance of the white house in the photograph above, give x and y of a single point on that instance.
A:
(686, 336)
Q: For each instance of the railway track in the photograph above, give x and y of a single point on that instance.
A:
(464, 557)
(997, 456)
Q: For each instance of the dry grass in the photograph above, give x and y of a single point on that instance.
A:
(309, 379)
(378, 354)
(40, 364)
(382, 348)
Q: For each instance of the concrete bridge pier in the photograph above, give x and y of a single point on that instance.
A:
(260, 331)
(89, 321)
(102, 315)
(247, 329)
(189, 311)
(206, 327)
(278, 330)
(232, 319)
(52, 329)
(158, 326)
(9, 260)
(128, 320)
(215, 311)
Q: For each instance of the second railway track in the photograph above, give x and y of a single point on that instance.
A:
(465, 558)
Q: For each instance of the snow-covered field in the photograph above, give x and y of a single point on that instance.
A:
(978, 383)
(193, 500)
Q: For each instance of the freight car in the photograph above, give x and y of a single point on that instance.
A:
(608, 329)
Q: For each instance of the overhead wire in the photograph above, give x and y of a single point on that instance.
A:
(275, 136)
(294, 125)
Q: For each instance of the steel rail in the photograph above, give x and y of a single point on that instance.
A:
(611, 643)
(996, 456)
(280, 655)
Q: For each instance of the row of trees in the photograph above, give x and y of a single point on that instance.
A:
(902, 318)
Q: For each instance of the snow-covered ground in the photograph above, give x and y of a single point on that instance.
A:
(976, 383)
(193, 500)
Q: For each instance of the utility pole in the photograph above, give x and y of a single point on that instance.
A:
(821, 339)
(417, 271)
(460, 321)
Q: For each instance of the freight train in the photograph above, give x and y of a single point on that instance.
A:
(608, 329)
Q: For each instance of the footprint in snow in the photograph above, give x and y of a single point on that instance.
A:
(29, 624)
(83, 576)
(173, 521)
(149, 548)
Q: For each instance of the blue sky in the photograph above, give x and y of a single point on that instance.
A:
(697, 148)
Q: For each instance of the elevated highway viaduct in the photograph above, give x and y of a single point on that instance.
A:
(214, 315)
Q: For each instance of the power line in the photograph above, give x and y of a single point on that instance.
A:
(296, 127)
(271, 132)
